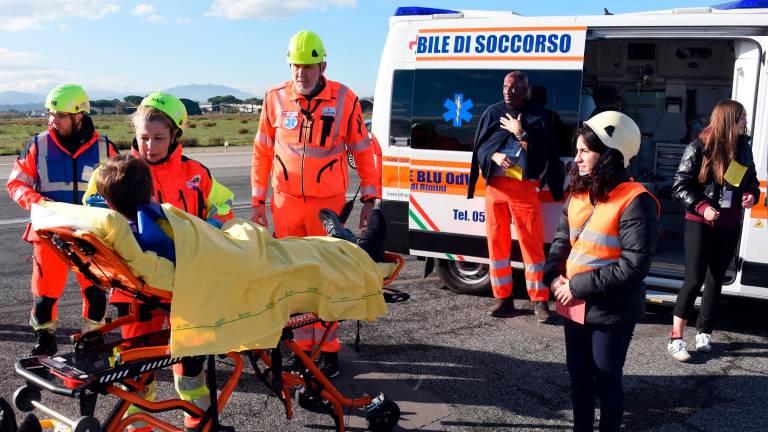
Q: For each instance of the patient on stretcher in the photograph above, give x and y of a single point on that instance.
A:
(233, 288)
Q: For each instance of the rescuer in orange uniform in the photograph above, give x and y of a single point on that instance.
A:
(514, 151)
(56, 165)
(308, 125)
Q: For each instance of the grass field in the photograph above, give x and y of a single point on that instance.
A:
(204, 130)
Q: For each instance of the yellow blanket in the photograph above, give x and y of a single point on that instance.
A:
(235, 288)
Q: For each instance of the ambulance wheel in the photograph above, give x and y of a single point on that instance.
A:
(351, 161)
(23, 397)
(463, 277)
(86, 424)
(384, 417)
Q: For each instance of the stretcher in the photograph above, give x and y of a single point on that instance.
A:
(103, 363)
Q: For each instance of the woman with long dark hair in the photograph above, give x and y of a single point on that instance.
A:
(716, 179)
(596, 265)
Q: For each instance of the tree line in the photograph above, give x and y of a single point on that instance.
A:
(129, 104)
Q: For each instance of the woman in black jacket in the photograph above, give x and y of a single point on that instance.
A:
(716, 179)
(596, 265)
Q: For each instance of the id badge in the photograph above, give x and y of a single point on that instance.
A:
(725, 198)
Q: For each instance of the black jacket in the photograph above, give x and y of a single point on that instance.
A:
(614, 293)
(542, 149)
(687, 189)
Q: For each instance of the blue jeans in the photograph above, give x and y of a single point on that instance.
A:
(595, 355)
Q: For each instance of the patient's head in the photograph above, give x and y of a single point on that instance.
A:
(125, 183)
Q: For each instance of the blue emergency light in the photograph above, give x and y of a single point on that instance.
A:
(743, 4)
(416, 10)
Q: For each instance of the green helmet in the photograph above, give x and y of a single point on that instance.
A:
(170, 105)
(68, 98)
(305, 47)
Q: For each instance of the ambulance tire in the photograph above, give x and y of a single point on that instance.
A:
(351, 161)
(464, 277)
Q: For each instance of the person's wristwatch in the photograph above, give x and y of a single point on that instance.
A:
(523, 136)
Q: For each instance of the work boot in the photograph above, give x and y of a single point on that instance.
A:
(372, 240)
(334, 227)
(328, 363)
(502, 308)
(542, 311)
(46, 343)
(7, 417)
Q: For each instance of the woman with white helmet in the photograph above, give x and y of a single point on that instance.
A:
(599, 257)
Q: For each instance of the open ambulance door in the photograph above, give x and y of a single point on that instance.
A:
(750, 88)
(457, 74)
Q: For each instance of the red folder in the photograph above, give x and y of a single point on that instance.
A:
(575, 311)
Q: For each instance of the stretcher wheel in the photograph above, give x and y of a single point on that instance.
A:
(86, 424)
(384, 417)
(31, 424)
(307, 401)
(7, 416)
(23, 397)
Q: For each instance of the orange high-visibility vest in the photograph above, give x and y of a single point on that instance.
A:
(594, 230)
(303, 144)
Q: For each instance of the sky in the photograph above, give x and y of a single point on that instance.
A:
(136, 47)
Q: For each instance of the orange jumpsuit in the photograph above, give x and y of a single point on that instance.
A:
(302, 145)
(46, 170)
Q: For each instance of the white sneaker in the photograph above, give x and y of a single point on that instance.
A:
(703, 341)
(676, 348)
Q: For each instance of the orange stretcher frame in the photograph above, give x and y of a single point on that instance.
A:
(87, 254)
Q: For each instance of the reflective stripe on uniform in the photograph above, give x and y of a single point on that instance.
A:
(21, 176)
(258, 191)
(534, 268)
(502, 280)
(341, 95)
(368, 191)
(584, 259)
(359, 146)
(497, 264)
(600, 238)
(264, 139)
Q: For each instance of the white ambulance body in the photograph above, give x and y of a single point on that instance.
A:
(666, 69)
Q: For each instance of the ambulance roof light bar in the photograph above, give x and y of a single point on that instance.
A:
(743, 4)
(416, 10)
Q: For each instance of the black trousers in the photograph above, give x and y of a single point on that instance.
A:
(708, 252)
(595, 355)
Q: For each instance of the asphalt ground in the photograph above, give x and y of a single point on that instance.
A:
(448, 365)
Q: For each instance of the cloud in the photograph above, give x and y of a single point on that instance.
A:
(264, 9)
(155, 18)
(183, 20)
(143, 9)
(39, 80)
(35, 13)
(15, 60)
(64, 28)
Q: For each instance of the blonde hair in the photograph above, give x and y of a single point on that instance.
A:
(151, 114)
(720, 138)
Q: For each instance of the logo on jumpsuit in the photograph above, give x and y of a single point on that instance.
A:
(290, 119)
(193, 182)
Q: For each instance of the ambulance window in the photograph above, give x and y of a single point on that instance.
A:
(447, 104)
(402, 104)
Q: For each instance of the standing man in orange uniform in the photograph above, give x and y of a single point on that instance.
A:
(308, 125)
(56, 165)
(515, 152)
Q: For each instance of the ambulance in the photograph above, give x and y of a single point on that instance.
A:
(441, 69)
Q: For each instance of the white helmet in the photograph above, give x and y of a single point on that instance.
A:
(617, 131)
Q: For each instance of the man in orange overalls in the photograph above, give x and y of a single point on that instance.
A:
(56, 165)
(515, 151)
(308, 125)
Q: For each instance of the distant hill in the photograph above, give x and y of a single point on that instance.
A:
(17, 98)
(23, 107)
(201, 92)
